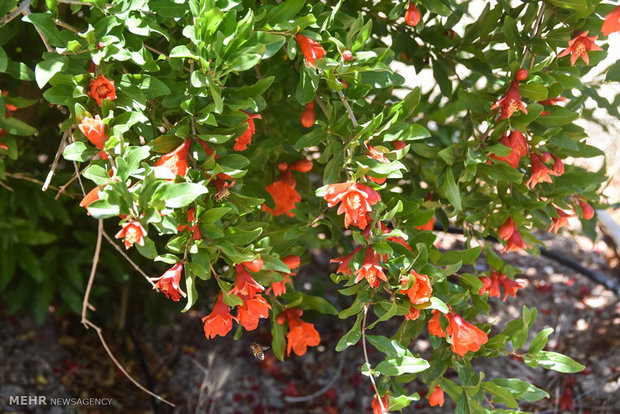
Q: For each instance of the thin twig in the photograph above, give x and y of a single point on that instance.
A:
(26, 12)
(2, 184)
(82, 3)
(348, 108)
(66, 26)
(91, 278)
(152, 49)
(131, 262)
(533, 34)
(78, 173)
(20, 176)
(19, 10)
(318, 100)
(63, 187)
(61, 146)
(87, 323)
(120, 367)
(372, 378)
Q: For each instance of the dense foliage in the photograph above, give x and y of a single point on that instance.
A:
(227, 138)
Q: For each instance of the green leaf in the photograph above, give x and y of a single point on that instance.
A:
(149, 85)
(450, 189)
(182, 194)
(557, 116)
(521, 390)
(577, 5)
(533, 91)
(438, 304)
(102, 209)
(284, 12)
(45, 23)
(97, 174)
(17, 127)
(79, 151)
(148, 250)
(415, 132)
(233, 165)
(351, 337)
(46, 69)
(190, 289)
(558, 362)
(511, 32)
(318, 304)
(402, 365)
(468, 256)
(387, 315)
(503, 395)
(539, 342)
(4, 60)
(278, 341)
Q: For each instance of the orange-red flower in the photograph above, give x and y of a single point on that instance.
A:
(587, 211)
(245, 285)
(551, 101)
(251, 311)
(612, 22)
(176, 160)
(421, 290)
(311, 49)
(497, 279)
(301, 334)
(518, 148)
(370, 270)
(380, 406)
(93, 195)
(434, 326)
(279, 288)
(436, 397)
(356, 201)
(510, 233)
(219, 321)
(560, 221)
(307, 116)
(412, 15)
(93, 128)
(168, 283)
(283, 189)
(284, 196)
(540, 172)
(102, 88)
(510, 287)
(377, 155)
(510, 101)
(414, 313)
(464, 336)
(579, 47)
(344, 262)
(131, 232)
(245, 139)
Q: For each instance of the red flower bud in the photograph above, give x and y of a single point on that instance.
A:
(307, 117)
(586, 210)
(412, 15)
(521, 75)
(255, 265)
(347, 55)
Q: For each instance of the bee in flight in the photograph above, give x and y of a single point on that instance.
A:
(257, 350)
